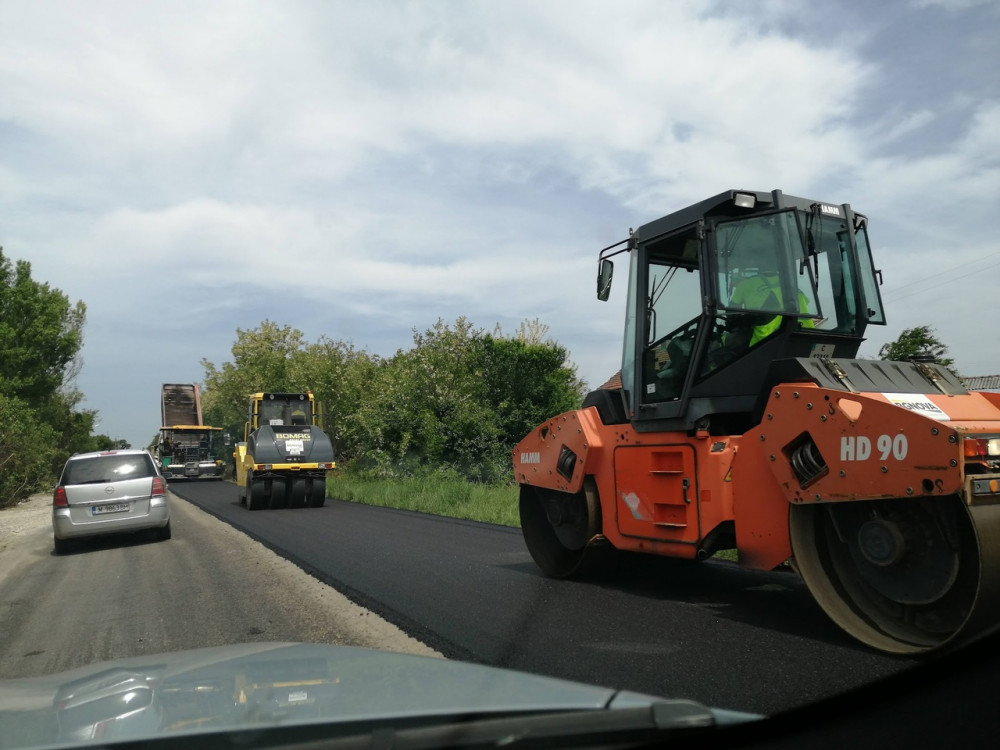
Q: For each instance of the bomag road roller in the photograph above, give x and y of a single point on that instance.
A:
(285, 455)
(741, 419)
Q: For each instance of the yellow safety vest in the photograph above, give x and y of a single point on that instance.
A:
(752, 293)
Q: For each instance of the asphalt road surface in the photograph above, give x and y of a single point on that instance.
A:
(708, 631)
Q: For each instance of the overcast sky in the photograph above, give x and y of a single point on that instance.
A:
(360, 169)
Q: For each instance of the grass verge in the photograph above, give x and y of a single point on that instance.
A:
(441, 496)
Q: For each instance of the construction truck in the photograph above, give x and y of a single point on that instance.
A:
(187, 449)
(742, 419)
(284, 456)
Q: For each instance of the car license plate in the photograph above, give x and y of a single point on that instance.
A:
(112, 508)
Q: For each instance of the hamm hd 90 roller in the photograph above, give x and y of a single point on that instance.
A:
(742, 419)
(284, 457)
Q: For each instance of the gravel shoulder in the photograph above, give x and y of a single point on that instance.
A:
(20, 528)
(124, 596)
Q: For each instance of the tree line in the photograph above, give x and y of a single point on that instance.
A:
(457, 401)
(41, 422)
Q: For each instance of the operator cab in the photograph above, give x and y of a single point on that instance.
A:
(720, 291)
(281, 409)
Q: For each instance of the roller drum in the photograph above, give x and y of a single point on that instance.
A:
(559, 528)
(905, 575)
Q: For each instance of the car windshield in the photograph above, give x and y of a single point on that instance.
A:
(285, 411)
(301, 351)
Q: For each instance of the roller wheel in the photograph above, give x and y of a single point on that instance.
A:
(257, 498)
(279, 493)
(557, 527)
(317, 495)
(299, 490)
(901, 575)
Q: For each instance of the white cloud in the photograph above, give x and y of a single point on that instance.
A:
(315, 93)
(897, 124)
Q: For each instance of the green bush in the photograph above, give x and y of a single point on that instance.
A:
(28, 451)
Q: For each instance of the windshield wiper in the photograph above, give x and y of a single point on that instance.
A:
(594, 728)
(646, 724)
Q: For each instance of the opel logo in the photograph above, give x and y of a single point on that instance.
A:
(109, 490)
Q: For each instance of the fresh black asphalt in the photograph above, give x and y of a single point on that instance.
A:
(709, 631)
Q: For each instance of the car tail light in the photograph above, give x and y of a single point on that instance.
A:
(981, 447)
(159, 488)
(59, 498)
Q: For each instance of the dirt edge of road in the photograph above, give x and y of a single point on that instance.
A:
(22, 527)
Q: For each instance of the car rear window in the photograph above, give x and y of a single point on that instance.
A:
(110, 468)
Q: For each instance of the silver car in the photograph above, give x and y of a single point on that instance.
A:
(109, 492)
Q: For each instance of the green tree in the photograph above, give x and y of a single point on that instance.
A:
(261, 359)
(460, 399)
(524, 382)
(342, 378)
(435, 414)
(73, 426)
(41, 333)
(456, 401)
(279, 359)
(916, 342)
(106, 443)
(27, 447)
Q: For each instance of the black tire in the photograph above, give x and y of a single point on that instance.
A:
(278, 497)
(62, 546)
(301, 488)
(256, 498)
(317, 495)
(163, 533)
